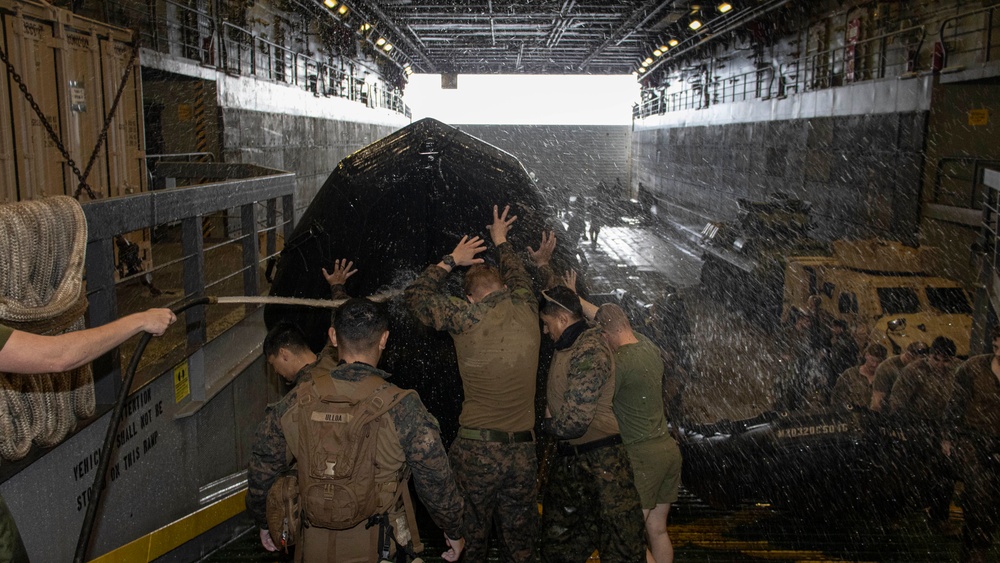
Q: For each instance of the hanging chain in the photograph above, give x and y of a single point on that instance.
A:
(82, 176)
(107, 121)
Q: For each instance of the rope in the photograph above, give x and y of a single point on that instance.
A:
(322, 303)
(42, 252)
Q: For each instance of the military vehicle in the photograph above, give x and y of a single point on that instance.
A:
(745, 260)
(883, 287)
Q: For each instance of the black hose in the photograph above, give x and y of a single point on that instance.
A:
(102, 468)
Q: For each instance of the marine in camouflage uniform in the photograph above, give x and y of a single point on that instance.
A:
(888, 372)
(417, 439)
(972, 432)
(920, 400)
(590, 501)
(496, 340)
(854, 386)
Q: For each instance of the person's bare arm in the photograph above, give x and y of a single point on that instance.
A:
(32, 353)
(589, 309)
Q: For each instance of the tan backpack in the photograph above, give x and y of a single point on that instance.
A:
(337, 425)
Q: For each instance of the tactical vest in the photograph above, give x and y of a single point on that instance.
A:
(346, 473)
(498, 362)
(604, 423)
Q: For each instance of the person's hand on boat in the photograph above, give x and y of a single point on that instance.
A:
(543, 255)
(501, 225)
(467, 249)
(342, 269)
(569, 279)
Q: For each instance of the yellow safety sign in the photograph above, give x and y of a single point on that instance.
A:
(182, 382)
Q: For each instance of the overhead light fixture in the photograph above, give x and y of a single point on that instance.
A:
(343, 10)
(642, 70)
(724, 7)
(387, 47)
(673, 42)
(330, 3)
(657, 52)
(663, 48)
(380, 41)
(365, 27)
(647, 62)
(695, 24)
(644, 64)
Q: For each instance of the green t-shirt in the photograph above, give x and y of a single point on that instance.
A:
(5, 332)
(638, 402)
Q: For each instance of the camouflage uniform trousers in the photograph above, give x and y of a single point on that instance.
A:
(498, 482)
(590, 502)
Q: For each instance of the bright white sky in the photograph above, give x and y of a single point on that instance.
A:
(524, 99)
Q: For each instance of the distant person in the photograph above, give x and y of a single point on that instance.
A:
(843, 350)
(889, 370)
(854, 386)
(590, 501)
(807, 382)
(972, 440)
(27, 353)
(408, 437)
(919, 399)
(576, 224)
(495, 330)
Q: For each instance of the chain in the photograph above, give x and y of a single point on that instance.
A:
(107, 121)
(82, 176)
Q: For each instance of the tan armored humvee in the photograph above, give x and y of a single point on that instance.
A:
(883, 287)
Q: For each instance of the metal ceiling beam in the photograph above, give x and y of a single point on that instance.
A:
(709, 32)
(411, 47)
(626, 28)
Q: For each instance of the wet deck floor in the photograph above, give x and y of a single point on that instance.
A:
(736, 368)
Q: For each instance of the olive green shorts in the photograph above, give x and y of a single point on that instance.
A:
(656, 466)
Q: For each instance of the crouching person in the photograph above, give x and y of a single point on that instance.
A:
(353, 439)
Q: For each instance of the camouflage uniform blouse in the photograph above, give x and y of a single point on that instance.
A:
(419, 437)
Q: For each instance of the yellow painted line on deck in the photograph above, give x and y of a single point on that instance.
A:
(709, 533)
(176, 534)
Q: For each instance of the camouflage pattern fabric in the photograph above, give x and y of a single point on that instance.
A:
(498, 483)
(458, 315)
(590, 503)
(11, 546)
(419, 436)
(589, 370)
(920, 394)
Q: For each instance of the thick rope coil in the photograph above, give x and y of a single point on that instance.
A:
(15, 419)
(42, 253)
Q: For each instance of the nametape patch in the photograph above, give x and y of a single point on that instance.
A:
(342, 417)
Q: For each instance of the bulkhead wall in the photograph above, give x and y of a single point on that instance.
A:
(565, 159)
(857, 158)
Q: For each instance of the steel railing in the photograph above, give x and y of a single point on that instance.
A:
(889, 55)
(970, 37)
(173, 28)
